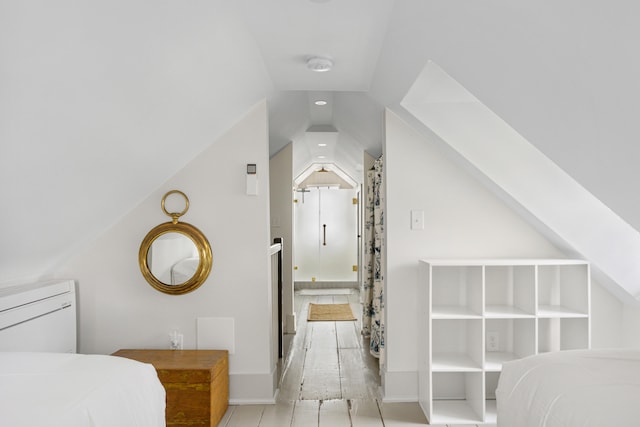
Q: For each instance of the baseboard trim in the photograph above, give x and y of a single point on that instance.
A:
(290, 324)
(252, 389)
(400, 386)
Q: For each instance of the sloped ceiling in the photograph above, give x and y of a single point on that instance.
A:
(563, 74)
(527, 180)
(101, 102)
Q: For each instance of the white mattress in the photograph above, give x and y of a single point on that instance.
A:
(585, 388)
(72, 390)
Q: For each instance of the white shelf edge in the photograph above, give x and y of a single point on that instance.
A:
(493, 360)
(551, 311)
(453, 362)
(451, 316)
(502, 262)
(491, 411)
(453, 312)
(506, 312)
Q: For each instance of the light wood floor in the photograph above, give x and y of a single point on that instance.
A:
(329, 379)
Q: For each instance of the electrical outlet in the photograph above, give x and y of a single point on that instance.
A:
(493, 341)
(175, 340)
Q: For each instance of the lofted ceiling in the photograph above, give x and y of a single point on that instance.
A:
(349, 35)
(91, 94)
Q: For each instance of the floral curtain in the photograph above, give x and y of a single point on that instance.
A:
(373, 283)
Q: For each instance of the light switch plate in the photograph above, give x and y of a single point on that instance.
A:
(417, 220)
(252, 185)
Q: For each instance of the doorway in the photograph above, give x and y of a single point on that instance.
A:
(326, 235)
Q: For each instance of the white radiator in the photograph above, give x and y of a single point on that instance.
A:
(39, 317)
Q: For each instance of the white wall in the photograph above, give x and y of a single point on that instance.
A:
(631, 327)
(462, 220)
(281, 184)
(119, 309)
(92, 93)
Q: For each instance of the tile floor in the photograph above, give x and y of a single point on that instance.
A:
(328, 377)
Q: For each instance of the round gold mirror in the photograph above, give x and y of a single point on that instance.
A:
(175, 257)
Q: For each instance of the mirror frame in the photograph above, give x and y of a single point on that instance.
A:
(204, 252)
(188, 230)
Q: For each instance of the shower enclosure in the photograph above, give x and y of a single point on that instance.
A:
(326, 235)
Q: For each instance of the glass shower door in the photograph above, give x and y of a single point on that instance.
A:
(326, 235)
(339, 250)
(307, 235)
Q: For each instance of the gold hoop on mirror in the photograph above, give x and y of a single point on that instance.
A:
(175, 257)
(175, 215)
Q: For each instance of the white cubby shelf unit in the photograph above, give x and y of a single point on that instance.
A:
(474, 315)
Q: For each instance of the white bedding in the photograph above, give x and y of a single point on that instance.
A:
(584, 388)
(73, 390)
(184, 270)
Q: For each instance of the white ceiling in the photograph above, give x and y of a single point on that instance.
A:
(350, 34)
(93, 93)
(289, 32)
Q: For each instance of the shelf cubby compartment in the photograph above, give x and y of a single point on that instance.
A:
(515, 339)
(458, 398)
(563, 290)
(567, 333)
(456, 291)
(509, 291)
(490, 386)
(457, 345)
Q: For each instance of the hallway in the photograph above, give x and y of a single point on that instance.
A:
(329, 379)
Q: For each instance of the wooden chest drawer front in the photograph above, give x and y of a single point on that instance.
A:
(189, 405)
(183, 376)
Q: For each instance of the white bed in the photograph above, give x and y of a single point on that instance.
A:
(73, 390)
(577, 388)
(44, 383)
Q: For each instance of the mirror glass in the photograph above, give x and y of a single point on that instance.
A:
(173, 258)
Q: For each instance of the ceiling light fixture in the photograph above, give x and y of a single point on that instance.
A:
(321, 102)
(322, 144)
(319, 64)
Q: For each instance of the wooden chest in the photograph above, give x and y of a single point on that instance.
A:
(196, 383)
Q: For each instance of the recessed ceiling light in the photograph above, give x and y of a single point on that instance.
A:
(322, 144)
(322, 157)
(319, 65)
(321, 102)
